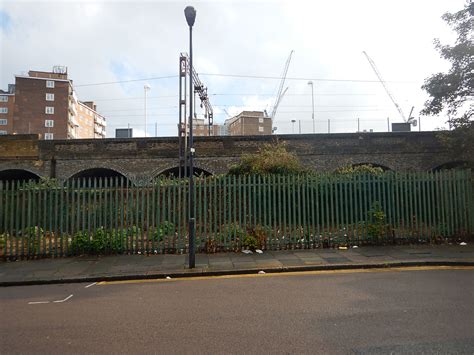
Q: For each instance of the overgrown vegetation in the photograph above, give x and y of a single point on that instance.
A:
(360, 169)
(271, 158)
(376, 227)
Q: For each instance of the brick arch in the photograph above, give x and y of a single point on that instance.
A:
(112, 167)
(161, 170)
(18, 174)
(28, 168)
(450, 164)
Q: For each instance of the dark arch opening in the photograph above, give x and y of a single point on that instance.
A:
(452, 165)
(383, 167)
(99, 173)
(175, 172)
(17, 175)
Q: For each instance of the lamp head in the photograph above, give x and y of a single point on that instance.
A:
(147, 87)
(190, 14)
(310, 82)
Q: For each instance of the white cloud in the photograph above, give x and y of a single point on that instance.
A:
(102, 41)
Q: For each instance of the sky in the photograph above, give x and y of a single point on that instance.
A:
(104, 43)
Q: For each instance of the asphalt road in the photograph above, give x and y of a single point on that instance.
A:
(428, 311)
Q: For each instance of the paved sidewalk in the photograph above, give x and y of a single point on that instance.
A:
(122, 267)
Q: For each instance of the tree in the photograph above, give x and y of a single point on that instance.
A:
(452, 92)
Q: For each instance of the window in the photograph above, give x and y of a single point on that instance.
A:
(3, 98)
(260, 120)
(50, 83)
(49, 123)
(49, 97)
(3, 122)
(260, 128)
(3, 109)
(48, 136)
(49, 110)
(3, 133)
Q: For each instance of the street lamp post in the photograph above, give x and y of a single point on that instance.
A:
(190, 14)
(146, 88)
(293, 126)
(312, 100)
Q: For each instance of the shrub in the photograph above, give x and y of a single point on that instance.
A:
(99, 243)
(261, 234)
(270, 159)
(166, 228)
(250, 242)
(376, 225)
(32, 232)
(359, 169)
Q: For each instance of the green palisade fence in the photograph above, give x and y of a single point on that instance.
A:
(111, 216)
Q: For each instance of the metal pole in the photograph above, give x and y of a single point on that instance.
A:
(388, 124)
(358, 124)
(192, 262)
(312, 99)
(144, 88)
(299, 126)
(329, 125)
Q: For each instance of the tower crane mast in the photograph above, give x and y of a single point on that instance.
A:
(280, 92)
(384, 84)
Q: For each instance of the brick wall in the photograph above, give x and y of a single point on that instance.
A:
(30, 105)
(140, 159)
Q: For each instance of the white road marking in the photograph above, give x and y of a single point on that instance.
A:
(38, 302)
(92, 284)
(64, 300)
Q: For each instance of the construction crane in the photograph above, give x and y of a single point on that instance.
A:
(384, 84)
(280, 92)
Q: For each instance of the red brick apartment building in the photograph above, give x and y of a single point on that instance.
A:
(45, 103)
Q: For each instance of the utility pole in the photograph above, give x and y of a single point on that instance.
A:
(312, 100)
(146, 88)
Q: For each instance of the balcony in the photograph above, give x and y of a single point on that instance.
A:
(73, 121)
(72, 109)
(100, 121)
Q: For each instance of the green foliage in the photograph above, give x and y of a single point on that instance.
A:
(166, 228)
(360, 169)
(453, 90)
(376, 224)
(3, 240)
(134, 231)
(227, 230)
(270, 159)
(250, 242)
(99, 243)
(261, 234)
(43, 183)
(32, 232)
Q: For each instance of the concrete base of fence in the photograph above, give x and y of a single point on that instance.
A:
(134, 267)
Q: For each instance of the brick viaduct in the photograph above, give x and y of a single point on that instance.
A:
(141, 159)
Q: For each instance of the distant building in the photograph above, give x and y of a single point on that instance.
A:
(124, 133)
(201, 128)
(401, 127)
(45, 103)
(249, 123)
